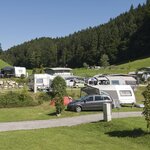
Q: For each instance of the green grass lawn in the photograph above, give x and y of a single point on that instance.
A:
(138, 94)
(120, 134)
(44, 112)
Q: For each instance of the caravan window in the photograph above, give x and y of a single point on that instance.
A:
(130, 82)
(115, 82)
(40, 80)
(125, 93)
(20, 71)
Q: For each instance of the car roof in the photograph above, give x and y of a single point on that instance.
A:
(98, 95)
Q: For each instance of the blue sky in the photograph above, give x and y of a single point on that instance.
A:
(23, 20)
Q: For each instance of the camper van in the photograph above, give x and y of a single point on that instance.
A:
(121, 94)
(40, 82)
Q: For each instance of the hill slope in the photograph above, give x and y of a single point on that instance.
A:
(123, 68)
(134, 65)
(3, 64)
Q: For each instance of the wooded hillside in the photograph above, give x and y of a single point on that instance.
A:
(124, 38)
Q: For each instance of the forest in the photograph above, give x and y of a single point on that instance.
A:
(122, 39)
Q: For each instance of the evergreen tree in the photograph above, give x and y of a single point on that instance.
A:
(131, 8)
(1, 49)
(147, 2)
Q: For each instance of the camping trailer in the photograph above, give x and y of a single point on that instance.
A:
(121, 94)
(20, 71)
(13, 71)
(116, 80)
(40, 82)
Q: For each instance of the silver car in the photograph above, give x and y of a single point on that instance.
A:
(89, 102)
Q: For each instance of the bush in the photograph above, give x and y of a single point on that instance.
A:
(42, 97)
(59, 91)
(15, 99)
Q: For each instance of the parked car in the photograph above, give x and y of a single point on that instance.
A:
(89, 102)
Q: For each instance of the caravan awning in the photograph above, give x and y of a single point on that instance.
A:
(90, 90)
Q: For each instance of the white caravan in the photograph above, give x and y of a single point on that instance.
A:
(116, 80)
(20, 71)
(40, 82)
(121, 94)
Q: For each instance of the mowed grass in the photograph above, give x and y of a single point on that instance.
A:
(138, 94)
(116, 69)
(45, 112)
(42, 112)
(120, 134)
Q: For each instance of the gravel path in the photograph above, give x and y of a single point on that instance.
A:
(71, 121)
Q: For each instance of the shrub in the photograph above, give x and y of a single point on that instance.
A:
(59, 91)
(43, 97)
(16, 99)
(85, 65)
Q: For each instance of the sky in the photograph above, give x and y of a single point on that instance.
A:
(24, 20)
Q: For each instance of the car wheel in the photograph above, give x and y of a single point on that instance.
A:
(78, 109)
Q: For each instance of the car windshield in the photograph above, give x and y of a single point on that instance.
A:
(83, 98)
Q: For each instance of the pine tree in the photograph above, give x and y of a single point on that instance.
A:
(147, 2)
(1, 49)
(131, 8)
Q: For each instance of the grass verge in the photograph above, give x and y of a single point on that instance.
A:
(120, 134)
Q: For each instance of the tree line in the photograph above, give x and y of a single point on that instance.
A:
(122, 39)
